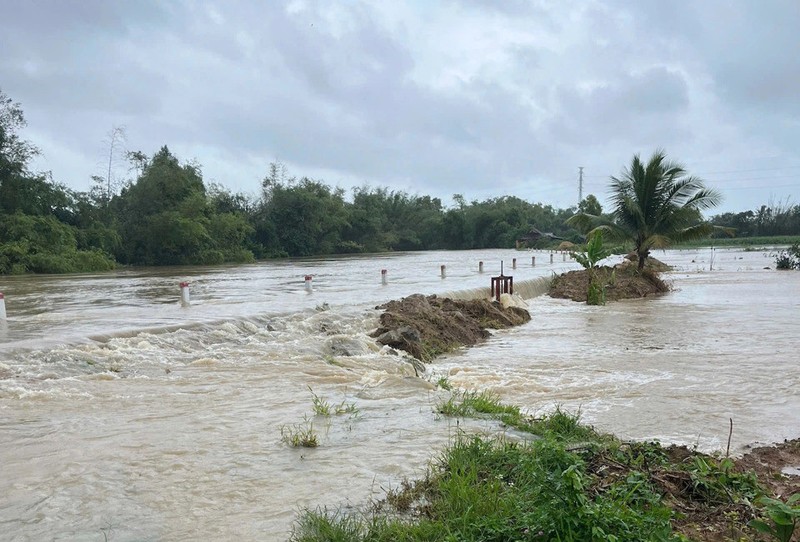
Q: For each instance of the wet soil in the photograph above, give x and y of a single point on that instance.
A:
(623, 281)
(427, 326)
(705, 521)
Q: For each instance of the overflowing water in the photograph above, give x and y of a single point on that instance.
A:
(124, 416)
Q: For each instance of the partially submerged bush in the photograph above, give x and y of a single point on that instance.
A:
(789, 258)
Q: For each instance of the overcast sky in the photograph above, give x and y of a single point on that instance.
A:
(480, 97)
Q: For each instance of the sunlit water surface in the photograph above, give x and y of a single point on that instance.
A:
(124, 416)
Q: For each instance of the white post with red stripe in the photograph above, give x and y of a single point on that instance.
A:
(309, 284)
(185, 301)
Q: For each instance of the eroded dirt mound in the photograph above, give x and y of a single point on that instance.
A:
(426, 327)
(651, 263)
(620, 282)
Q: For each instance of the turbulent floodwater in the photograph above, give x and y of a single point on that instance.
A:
(124, 416)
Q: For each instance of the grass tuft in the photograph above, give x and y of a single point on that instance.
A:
(300, 435)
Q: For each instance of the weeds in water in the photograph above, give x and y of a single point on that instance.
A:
(560, 425)
(444, 383)
(347, 408)
(324, 408)
(321, 525)
(300, 435)
(464, 404)
(789, 258)
(321, 406)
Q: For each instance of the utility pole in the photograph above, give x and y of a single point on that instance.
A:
(580, 184)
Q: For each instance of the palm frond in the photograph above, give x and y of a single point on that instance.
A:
(656, 204)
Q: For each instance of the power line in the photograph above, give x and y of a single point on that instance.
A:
(702, 174)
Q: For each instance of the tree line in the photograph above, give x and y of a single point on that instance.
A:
(166, 214)
(775, 219)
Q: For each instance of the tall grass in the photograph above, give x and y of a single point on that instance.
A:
(772, 241)
(571, 484)
(491, 490)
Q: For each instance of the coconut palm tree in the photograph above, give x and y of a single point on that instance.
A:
(654, 205)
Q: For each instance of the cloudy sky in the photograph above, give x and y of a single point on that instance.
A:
(480, 97)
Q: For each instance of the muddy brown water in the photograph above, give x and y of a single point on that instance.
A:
(125, 417)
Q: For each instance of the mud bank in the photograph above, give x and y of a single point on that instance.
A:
(623, 281)
(428, 326)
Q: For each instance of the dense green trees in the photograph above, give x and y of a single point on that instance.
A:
(590, 206)
(656, 204)
(168, 215)
(37, 217)
(774, 219)
(308, 216)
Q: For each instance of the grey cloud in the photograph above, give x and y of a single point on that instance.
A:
(646, 106)
(336, 87)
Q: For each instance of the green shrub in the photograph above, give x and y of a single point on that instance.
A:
(239, 255)
(93, 260)
(783, 517)
(596, 294)
(210, 257)
(789, 258)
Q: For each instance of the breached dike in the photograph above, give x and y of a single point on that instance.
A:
(428, 326)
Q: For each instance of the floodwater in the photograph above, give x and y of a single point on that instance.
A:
(124, 416)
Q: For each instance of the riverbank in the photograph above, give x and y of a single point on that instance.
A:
(553, 478)
(746, 243)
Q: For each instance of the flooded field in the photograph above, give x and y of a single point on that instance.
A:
(126, 417)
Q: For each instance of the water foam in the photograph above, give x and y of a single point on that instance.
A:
(527, 289)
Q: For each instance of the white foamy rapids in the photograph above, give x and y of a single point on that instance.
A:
(526, 289)
(310, 341)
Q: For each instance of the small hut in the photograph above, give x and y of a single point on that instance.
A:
(534, 236)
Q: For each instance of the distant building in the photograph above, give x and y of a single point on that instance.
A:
(534, 236)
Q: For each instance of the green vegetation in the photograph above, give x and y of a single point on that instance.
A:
(655, 206)
(166, 214)
(567, 482)
(444, 383)
(300, 435)
(789, 258)
(595, 251)
(747, 242)
(773, 220)
(322, 407)
(783, 517)
(347, 408)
